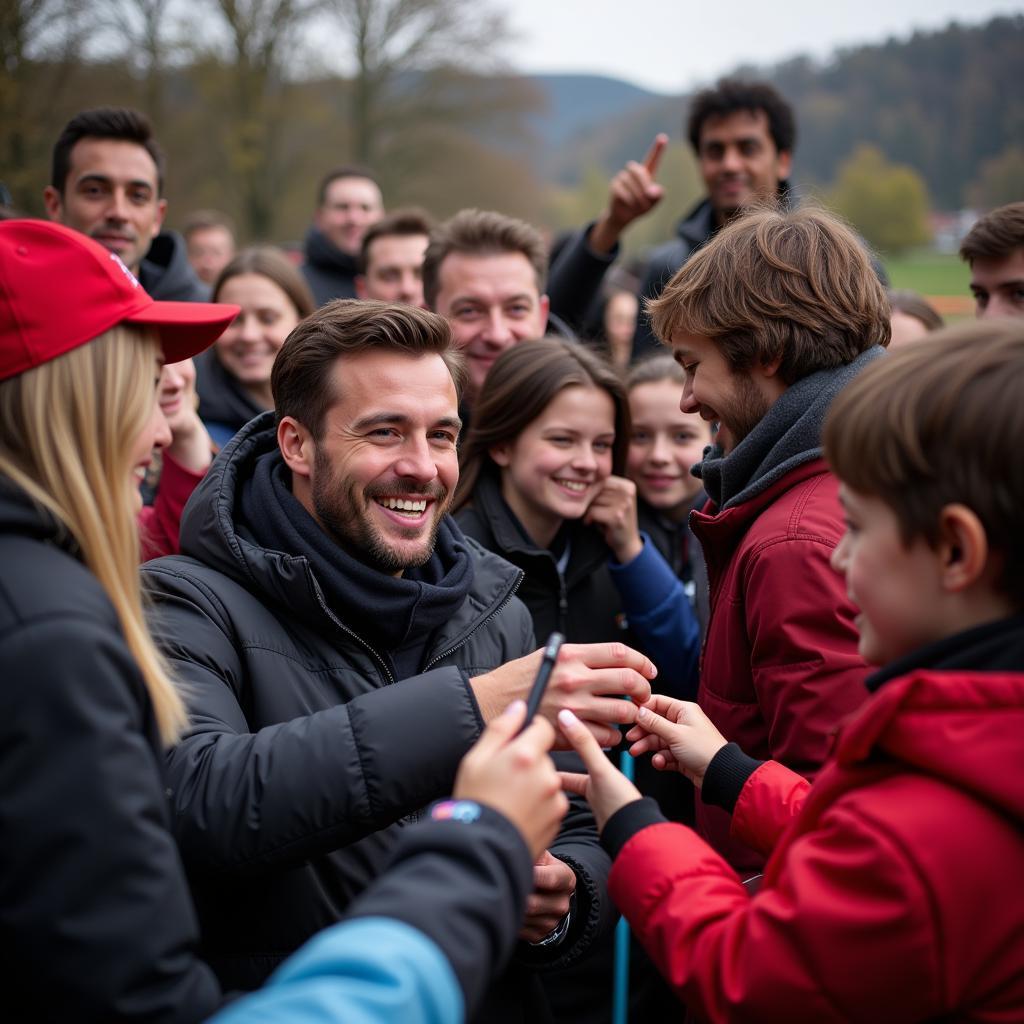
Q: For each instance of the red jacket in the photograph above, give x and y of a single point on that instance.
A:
(780, 666)
(895, 886)
(159, 522)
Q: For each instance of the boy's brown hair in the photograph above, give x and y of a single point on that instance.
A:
(482, 233)
(793, 286)
(996, 235)
(938, 423)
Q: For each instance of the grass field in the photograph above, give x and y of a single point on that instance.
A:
(940, 277)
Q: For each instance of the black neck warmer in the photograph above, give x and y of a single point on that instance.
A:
(397, 615)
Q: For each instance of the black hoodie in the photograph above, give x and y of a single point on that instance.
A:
(329, 272)
(166, 273)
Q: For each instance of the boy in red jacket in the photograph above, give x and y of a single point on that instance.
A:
(892, 890)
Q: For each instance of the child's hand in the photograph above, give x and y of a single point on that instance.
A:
(604, 787)
(681, 736)
(613, 512)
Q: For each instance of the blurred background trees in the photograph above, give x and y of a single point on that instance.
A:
(254, 100)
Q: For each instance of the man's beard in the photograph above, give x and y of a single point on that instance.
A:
(745, 409)
(341, 507)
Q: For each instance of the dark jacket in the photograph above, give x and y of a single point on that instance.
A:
(583, 604)
(167, 274)
(305, 755)
(96, 923)
(329, 272)
(415, 946)
(888, 892)
(224, 405)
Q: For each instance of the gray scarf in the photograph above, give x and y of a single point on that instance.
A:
(788, 436)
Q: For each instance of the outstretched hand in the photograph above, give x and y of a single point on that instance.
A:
(589, 679)
(516, 776)
(633, 192)
(604, 787)
(680, 736)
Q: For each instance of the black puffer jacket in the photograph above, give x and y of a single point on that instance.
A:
(305, 756)
(583, 604)
(96, 923)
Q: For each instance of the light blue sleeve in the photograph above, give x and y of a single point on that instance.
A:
(372, 970)
(660, 616)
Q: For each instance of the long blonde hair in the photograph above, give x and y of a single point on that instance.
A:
(67, 429)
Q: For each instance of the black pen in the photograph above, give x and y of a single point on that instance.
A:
(540, 684)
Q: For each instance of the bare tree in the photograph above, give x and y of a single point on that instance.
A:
(40, 41)
(142, 26)
(259, 34)
(394, 44)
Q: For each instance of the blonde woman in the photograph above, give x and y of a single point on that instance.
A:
(96, 920)
(95, 916)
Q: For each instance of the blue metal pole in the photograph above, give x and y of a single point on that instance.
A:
(620, 992)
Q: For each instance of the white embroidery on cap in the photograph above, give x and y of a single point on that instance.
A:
(124, 270)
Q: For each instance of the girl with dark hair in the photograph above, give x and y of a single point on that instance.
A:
(541, 485)
(234, 376)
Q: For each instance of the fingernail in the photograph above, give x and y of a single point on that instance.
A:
(514, 708)
(643, 715)
(566, 717)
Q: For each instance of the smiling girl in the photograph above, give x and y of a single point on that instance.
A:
(540, 485)
(234, 376)
(664, 443)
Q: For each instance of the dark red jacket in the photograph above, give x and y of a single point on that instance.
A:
(894, 887)
(780, 667)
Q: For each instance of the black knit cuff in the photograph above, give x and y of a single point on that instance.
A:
(726, 775)
(627, 821)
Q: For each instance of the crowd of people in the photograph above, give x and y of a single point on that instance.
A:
(282, 538)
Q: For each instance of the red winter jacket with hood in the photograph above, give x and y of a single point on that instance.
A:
(893, 889)
(780, 667)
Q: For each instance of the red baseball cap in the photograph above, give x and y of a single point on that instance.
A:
(60, 289)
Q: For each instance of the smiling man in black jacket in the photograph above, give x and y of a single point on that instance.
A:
(343, 645)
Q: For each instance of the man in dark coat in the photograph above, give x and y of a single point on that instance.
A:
(743, 134)
(107, 182)
(343, 643)
(349, 203)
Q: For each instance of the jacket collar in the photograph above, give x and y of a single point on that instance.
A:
(588, 552)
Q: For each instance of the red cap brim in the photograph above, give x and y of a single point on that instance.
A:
(185, 328)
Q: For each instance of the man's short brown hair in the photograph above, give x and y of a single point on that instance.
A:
(996, 235)
(411, 221)
(301, 380)
(482, 233)
(792, 286)
(937, 423)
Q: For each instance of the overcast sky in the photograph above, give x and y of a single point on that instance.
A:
(671, 45)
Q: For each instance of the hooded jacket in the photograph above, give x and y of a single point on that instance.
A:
(306, 757)
(888, 893)
(329, 272)
(96, 923)
(166, 273)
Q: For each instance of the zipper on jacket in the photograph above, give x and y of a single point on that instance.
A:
(318, 594)
(482, 622)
